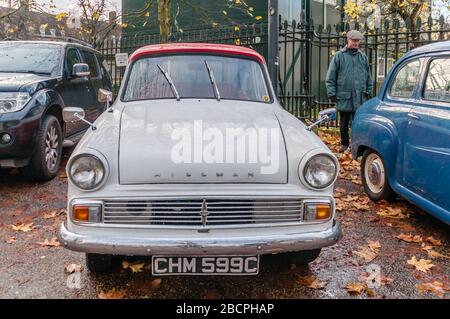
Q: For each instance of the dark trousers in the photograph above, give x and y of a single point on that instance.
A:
(345, 118)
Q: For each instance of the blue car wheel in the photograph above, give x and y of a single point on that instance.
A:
(374, 177)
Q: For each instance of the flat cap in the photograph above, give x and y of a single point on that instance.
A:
(355, 35)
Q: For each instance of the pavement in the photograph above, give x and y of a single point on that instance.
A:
(31, 267)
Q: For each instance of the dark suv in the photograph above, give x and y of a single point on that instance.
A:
(37, 81)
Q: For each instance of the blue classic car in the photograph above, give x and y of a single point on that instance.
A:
(403, 135)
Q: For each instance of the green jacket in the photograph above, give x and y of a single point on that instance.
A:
(349, 79)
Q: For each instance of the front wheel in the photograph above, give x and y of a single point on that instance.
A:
(374, 177)
(44, 163)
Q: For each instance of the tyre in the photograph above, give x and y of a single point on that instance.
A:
(97, 263)
(302, 257)
(44, 163)
(374, 177)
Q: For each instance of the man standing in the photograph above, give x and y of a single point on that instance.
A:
(349, 83)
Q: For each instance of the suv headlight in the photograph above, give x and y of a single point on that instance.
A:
(320, 171)
(86, 171)
(13, 101)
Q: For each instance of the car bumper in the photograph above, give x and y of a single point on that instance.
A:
(204, 246)
(21, 147)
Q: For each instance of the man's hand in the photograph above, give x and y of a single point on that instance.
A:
(333, 98)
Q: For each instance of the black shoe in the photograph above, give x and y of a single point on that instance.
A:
(343, 148)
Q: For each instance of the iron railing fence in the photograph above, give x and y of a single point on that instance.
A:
(305, 51)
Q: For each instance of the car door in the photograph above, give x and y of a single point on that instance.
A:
(95, 108)
(427, 152)
(396, 105)
(74, 89)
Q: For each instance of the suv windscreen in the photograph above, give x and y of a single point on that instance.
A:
(29, 57)
(235, 78)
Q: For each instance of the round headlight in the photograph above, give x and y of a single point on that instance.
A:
(87, 171)
(320, 171)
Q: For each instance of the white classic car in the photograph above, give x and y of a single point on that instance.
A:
(197, 165)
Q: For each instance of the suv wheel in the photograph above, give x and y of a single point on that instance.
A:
(374, 177)
(302, 257)
(97, 263)
(46, 159)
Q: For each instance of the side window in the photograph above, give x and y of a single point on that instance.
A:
(405, 80)
(72, 58)
(437, 85)
(89, 59)
(103, 67)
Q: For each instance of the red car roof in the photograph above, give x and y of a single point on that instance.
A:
(196, 48)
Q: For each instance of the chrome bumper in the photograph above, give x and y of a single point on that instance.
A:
(219, 246)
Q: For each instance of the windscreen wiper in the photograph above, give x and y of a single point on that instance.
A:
(213, 81)
(169, 80)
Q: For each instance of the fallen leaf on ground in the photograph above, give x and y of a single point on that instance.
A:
(212, 295)
(71, 268)
(433, 241)
(370, 252)
(11, 240)
(432, 253)
(135, 267)
(355, 288)
(366, 253)
(156, 283)
(422, 265)
(51, 215)
(393, 212)
(311, 282)
(383, 279)
(437, 288)
(23, 227)
(50, 243)
(374, 245)
(112, 294)
(409, 238)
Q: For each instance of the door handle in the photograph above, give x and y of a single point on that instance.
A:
(412, 116)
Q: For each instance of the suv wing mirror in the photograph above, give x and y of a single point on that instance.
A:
(80, 70)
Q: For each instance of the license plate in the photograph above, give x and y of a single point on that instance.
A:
(205, 265)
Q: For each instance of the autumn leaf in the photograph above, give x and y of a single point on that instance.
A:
(410, 238)
(432, 253)
(422, 265)
(311, 282)
(370, 252)
(433, 241)
(393, 212)
(50, 243)
(374, 245)
(355, 288)
(437, 288)
(71, 268)
(212, 295)
(156, 283)
(112, 294)
(135, 267)
(258, 18)
(11, 240)
(53, 214)
(366, 253)
(23, 227)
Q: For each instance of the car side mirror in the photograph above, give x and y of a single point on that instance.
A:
(73, 114)
(327, 115)
(80, 70)
(104, 96)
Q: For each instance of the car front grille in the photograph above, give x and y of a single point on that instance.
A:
(202, 212)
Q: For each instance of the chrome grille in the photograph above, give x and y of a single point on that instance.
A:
(187, 212)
